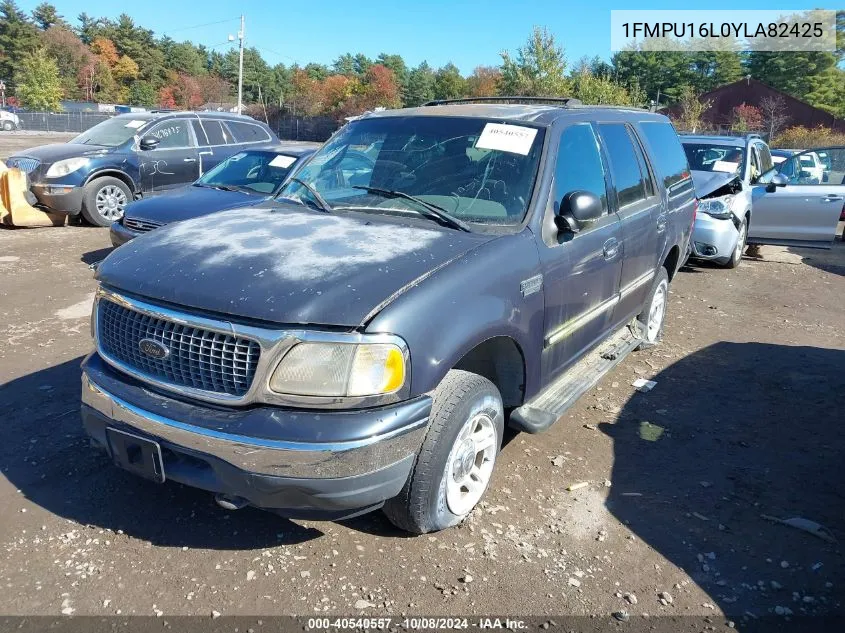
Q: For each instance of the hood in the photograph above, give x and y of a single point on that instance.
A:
(58, 151)
(189, 202)
(285, 264)
(706, 182)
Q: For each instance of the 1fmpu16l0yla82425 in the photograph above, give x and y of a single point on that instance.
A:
(356, 343)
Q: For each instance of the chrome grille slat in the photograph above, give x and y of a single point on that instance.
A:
(141, 225)
(199, 358)
(26, 165)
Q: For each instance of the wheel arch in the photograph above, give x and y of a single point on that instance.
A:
(114, 173)
(501, 360)
(671, 261)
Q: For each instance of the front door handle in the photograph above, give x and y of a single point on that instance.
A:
(611, 248)
(189, 160)
(832, 198)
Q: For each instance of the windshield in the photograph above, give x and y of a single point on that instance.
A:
(111, 133)
(253, 172)
(707, 157)
(475, 170)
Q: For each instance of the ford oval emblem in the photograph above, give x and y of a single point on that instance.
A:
(153, 348)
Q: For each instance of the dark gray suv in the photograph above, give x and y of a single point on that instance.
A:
(430, 275)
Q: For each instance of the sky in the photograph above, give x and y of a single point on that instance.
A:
(468, 33)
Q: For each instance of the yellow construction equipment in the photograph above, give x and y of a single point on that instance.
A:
(15, 211)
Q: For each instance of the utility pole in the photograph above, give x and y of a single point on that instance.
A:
(241, 65)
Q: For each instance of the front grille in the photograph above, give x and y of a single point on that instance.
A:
(198, 358)
(26, 165)
(142, 226)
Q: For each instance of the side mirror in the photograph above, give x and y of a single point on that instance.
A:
(578, 209)
(149, 142)
(778, 180)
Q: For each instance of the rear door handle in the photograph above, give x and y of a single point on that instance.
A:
(611, 248)
(833, 198)
(189, 160)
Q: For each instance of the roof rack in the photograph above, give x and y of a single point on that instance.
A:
(561, 101)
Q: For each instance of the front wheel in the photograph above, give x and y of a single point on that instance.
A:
(650, 321)
(736, 256)
(455, 463)
(8, 126)
(104, 200)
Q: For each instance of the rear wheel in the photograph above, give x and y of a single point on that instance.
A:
(455, 463)
(650, 321)
(105, 200)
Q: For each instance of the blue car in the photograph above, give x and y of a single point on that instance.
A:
(133, 156)
(245, 179)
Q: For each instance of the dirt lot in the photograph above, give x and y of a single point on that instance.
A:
(745, 421)
(11, 142)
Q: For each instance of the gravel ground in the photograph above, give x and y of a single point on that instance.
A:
(744, 424)
(11, 142)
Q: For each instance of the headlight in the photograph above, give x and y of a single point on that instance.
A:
(717, 207)
(340, 369)
(66, 166)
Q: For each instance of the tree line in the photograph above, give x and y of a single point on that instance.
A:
(45, 59)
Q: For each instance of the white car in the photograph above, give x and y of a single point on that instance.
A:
(9, 121)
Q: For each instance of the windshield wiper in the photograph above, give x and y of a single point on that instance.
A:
(321, 201)
(432, 210)
(216, 186)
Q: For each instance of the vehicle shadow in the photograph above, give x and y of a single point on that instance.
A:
(93, 257)
(731, 435)
(47, 456)
(831, 261)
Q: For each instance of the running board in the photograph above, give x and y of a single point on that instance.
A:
(550, 404)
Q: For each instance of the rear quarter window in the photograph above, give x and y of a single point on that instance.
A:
(247, 132)
(667, 154)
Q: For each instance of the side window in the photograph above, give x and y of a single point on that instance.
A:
(247, 132)
(199, 132)
(670, 160)
(765, 158)
(755, 164)
(171, 134)
(624, 165)
(819, 167)
(216, 133)
(579, 164)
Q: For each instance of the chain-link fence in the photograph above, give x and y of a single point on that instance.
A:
(298, 128)
(61, 121)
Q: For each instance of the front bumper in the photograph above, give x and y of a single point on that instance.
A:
(59, 197)
(119, 234)
(302, 464)
(713, 238)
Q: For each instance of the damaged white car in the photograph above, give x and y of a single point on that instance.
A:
(724, 168)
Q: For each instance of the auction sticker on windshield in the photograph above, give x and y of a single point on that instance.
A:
(282, 161)
(515, 139)
(135, 124)
(725, 166)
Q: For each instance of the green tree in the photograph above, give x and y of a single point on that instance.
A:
(420, 85)
(18, 38)
(602, 90)
(660, 74)
(89, 28)
(449, 83)
(45, 16)
(539, 68)
(38, 83)
(142, 93)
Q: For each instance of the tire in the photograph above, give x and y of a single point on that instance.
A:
(736, 257)
(104, 200)
(8, 126)
(433, 498)
(651, 333)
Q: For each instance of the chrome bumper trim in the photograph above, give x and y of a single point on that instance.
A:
(263, 456)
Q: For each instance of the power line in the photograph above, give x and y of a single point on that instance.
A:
(198, 26)
(268, 50)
